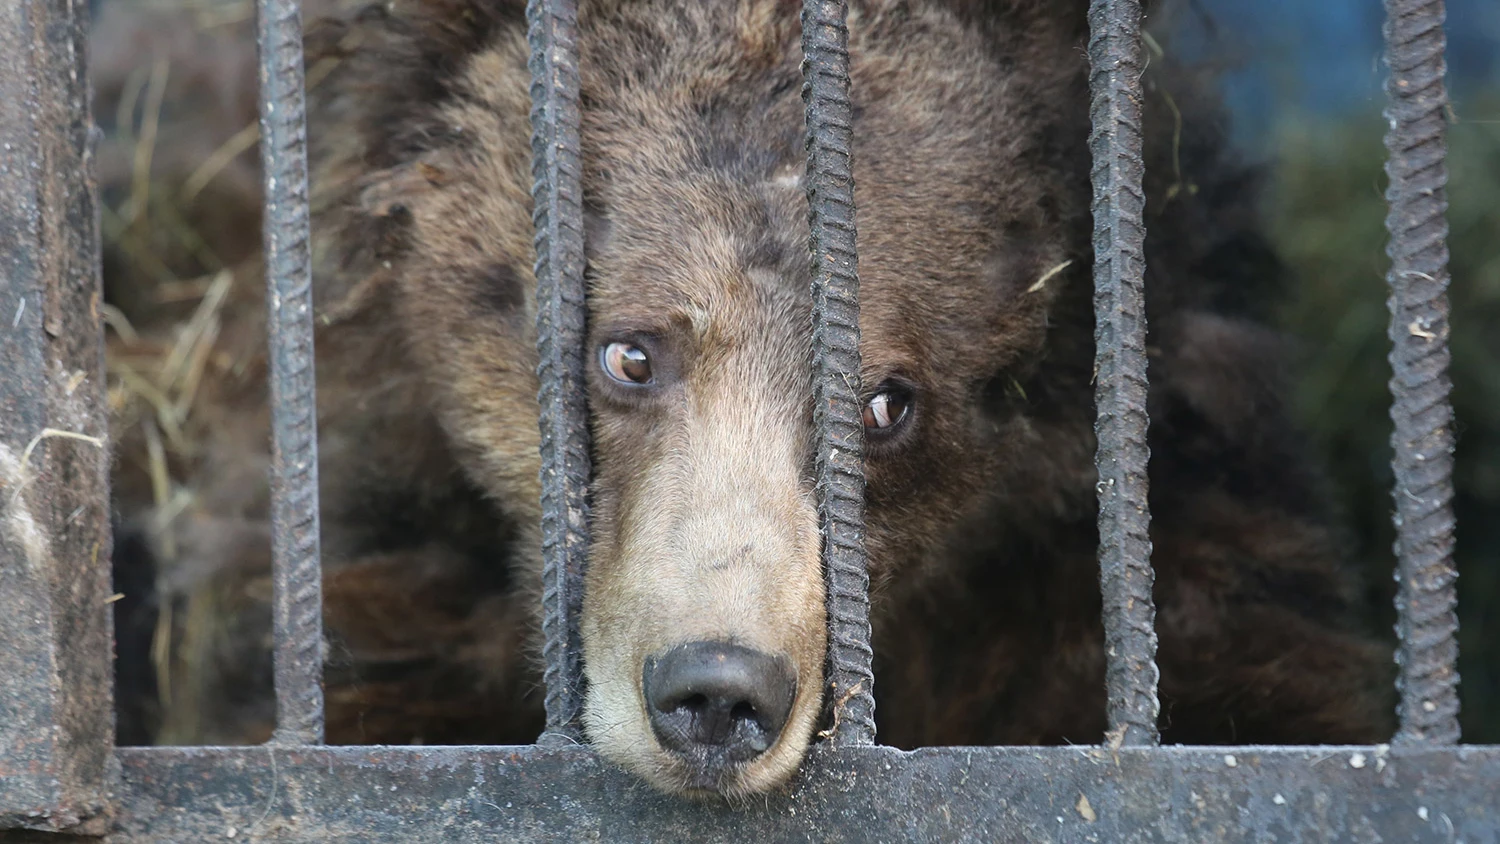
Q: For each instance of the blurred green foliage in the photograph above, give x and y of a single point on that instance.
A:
(1326, 213)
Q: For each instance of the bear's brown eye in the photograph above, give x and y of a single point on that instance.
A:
(887, 409)
(626, 363)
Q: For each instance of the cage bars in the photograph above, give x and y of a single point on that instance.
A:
(297, 613)
(561, 317)
(1423, 437)
(557, 212)
(837, 402)
(1125, 574)
(1422, 442)
(54, 748)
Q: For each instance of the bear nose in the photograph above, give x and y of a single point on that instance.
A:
(718, 702)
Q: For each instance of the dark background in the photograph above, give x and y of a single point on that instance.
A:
(1303, 81)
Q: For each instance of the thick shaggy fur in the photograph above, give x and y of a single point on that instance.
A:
(972, 191)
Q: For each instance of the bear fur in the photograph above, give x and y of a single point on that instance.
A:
(971, 174)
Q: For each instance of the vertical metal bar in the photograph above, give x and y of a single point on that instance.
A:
(56, 718)
(296, 574)
(1423, 437)
(1125, 574)
(837, 408)
(557, 212)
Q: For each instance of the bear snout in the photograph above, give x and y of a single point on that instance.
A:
(717, 705)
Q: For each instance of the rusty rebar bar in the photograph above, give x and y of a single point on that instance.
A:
(1423, 417)
(1125, 575)
(837, 404)
(557, 212)
(296, 571)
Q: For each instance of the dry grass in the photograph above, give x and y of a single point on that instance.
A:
(170, 295)
(180, 215)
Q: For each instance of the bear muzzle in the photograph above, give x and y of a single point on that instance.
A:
(716, 706)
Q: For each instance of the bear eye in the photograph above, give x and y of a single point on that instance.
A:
(626, 363)
(887, 409)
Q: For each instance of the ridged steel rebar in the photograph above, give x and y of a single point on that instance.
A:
(296, 572)
(1125, 574)
(837, 407)
(1423, 436)
(557, 212)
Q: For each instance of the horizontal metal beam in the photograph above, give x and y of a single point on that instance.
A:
(448, 794)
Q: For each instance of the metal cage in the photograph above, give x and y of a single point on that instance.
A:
(59, 770)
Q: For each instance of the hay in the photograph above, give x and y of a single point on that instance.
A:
(1051, 273)
(184, 316)
(15, 513)
(181, 236)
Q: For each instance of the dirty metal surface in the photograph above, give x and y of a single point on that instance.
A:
(1422, 440)
(56, 720)
(1115, 68)
(296, 572)
(557, 214)
(854, 794)
(838, 406)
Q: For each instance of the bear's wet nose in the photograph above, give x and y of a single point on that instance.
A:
(717, 702)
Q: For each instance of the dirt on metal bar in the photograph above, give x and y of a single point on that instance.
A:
(297, 571)
(557, 212)
(849, 794)
(1115, 57)
(1423, 438)
(837, 403)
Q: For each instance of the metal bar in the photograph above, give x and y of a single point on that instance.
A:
(1125, 574)
(557, 212)
(1423, 436)
(56, 723)
(1178, 794)
(296, 575)
(837, 405)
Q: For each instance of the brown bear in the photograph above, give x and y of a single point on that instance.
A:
(703, 619)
